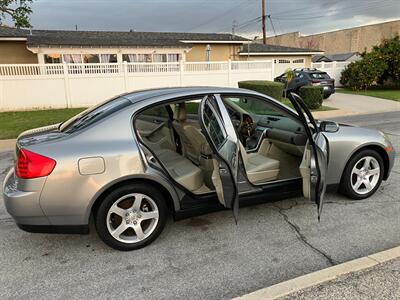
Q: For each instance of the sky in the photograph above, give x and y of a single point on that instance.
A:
(306, 16)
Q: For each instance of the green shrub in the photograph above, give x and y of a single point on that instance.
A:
(312, 96)
(269, 88)
(364, 73)
(379, 66)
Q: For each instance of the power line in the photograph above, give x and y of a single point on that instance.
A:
(217, 17)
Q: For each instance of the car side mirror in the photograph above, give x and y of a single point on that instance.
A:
(329, 126)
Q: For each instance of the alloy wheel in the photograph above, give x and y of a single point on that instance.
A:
(132, 218)
(365, 175)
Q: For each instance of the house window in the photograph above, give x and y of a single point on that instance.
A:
(129, 58)
(174, 57)
(108, 58)
(91, 59)
(72, 58)
(298, 61)
(159, 57)
(52, 58)
(284, 61)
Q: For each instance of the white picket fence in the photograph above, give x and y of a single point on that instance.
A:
(334, 69)
(30, 86)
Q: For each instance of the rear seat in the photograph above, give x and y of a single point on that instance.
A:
(181, 169)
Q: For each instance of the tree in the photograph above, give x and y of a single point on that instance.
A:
(17, 10)
(364, 73)
(380, 66)
(389, 52)
(289, 74)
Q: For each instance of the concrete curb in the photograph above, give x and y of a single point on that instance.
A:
(288, 287)
(7, 145)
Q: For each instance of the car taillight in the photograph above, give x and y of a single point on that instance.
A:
(315, 82)
(32, 165)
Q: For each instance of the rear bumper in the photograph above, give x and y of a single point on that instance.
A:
(328, 90)
(21, 199)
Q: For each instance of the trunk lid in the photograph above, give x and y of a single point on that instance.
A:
(38, 136)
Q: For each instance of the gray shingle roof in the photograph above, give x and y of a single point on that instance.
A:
(114, 38)
(319, 58)
(12, 32)
(341, 56)
(266, 48)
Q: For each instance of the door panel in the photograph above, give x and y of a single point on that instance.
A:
(220, 134)
(315, 159)
(155, 128)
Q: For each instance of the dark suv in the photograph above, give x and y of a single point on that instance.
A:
(309, 77)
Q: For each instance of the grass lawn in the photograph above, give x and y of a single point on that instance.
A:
(13, 123)
(390, 94)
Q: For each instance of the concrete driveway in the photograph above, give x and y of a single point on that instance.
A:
(206, 257)
(348, 104)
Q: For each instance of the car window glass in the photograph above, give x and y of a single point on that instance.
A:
(319, 75)
(214, 127)
(94, 114)
(158, 111)
(253, 105)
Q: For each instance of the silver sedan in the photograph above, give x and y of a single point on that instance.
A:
(135, 159)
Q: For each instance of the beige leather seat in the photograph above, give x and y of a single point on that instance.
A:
(191, 137)
(181, 169)
(259, 168)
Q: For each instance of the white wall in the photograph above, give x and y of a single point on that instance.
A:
(24, 87)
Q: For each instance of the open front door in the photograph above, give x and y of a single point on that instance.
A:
(220, 134)
(315, 159)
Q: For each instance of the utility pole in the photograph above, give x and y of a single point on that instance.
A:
(234, 25)
(264, 22)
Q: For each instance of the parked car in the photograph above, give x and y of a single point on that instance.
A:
(304, 77)
(133, 160)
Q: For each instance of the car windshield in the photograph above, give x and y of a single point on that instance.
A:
(319, 75)
(94, 114)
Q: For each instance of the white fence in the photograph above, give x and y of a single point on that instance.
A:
(334, 69)
(76, 85)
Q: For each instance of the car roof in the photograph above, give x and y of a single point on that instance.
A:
(176, 92)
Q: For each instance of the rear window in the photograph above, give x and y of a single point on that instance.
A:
(319, 75)
(94, 114)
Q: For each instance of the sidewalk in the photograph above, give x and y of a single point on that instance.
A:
(348, 104)
(375, 276)
(7, 145)
(379, 282)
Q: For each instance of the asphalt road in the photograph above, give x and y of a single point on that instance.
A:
(206, 257)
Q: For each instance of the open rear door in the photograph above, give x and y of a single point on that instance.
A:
(315, 159)
(220, 134)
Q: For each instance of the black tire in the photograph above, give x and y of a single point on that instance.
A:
(102, 212)
(345, 184)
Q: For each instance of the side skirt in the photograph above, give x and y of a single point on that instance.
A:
(200, 205)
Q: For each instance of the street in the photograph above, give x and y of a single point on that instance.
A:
(207, 257)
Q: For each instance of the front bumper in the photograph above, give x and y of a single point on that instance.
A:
(22, 199)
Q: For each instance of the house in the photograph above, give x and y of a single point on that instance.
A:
(57, 46)
(284, 57)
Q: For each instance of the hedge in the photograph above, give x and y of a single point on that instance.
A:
(269, 88)
(312, 96)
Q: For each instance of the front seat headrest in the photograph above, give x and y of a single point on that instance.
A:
(180, 112)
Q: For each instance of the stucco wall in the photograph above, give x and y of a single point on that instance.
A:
(219, 52)
(15, 52)
(341, 41)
